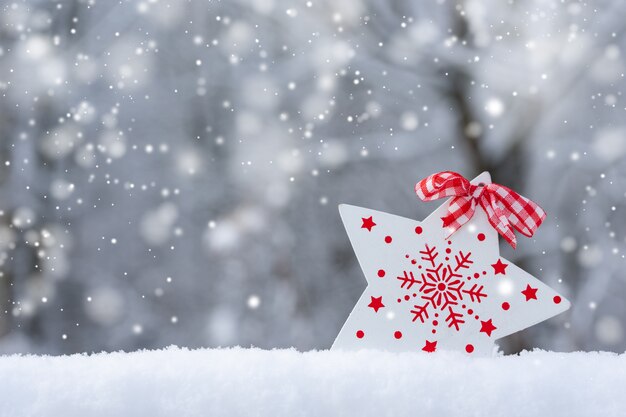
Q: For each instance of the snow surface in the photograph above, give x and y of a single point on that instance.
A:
(254, 382)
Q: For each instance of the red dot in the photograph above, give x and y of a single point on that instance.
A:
(413, 261)
(433, 331)
(387, 239)
(399, 300)
(481, 236)
(470, 311)
(381, 273)
(506, 306)
(419, 230)
(397, 334)
(360, 334)
(406, 297)
(441, 286)
(476, 317)
(435, 322)
(469, 348)
(476, 275)
(556, 299)
(448, 250)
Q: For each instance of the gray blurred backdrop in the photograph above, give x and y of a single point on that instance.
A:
(170, 170)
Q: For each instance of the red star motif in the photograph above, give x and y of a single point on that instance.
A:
(499, 267)
(430, 346)
(377, 302)
(368, 223)
(487, 327)
(530, 293)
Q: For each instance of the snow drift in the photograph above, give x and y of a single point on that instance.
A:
(254, 382)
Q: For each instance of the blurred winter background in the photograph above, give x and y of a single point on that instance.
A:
(170, 170)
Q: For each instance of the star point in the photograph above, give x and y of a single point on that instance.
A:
(368, 223)
(499, 267)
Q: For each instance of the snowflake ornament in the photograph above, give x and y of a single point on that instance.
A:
(429, 291)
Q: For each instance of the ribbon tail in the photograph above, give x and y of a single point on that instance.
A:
(448, 219)
(505, 230)
(519, 212)
(452, 221)
(498, 219)
(527, 225)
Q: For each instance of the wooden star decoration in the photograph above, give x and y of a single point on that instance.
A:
(429, 292)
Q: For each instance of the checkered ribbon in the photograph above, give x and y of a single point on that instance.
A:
(506, 210)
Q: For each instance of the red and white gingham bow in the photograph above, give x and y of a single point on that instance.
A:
(506, 210)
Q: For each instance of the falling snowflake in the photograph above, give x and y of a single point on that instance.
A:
(441, 286)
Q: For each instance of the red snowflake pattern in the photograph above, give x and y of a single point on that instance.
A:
(442, 287)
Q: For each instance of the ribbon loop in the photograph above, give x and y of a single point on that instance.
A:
(506, 210)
